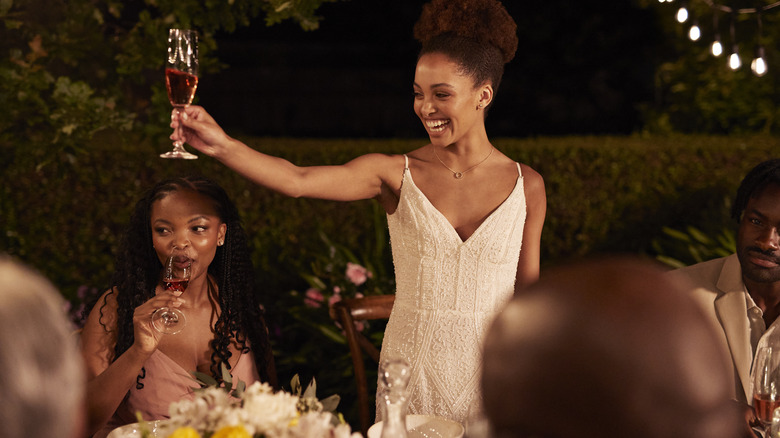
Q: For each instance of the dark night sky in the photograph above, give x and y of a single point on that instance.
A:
(581, 68)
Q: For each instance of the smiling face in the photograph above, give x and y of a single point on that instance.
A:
(187, 220)
(446, 101)
(758, 238)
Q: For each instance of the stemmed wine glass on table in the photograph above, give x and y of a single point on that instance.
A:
(766, 384)
(176, 277)
(181, 78)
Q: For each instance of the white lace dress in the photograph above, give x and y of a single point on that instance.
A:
(447, 293)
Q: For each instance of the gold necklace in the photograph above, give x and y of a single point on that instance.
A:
(455, 173)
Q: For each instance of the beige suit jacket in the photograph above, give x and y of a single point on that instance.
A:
(718, 289)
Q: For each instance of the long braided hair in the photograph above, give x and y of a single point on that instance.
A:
(137, 273)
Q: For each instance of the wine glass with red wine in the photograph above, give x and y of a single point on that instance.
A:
(175, 277)
(181, 78)
(766, 383)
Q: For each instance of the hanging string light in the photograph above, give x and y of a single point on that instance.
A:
(694, 33)
(716, 48)
(758, 65)
(682, 14)
(734, 62)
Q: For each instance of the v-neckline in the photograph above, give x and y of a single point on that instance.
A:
(441, 215)
(178, 365)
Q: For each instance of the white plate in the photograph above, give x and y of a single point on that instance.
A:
(133, 430)
(424, 426)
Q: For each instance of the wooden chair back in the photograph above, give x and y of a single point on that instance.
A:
(347, 312)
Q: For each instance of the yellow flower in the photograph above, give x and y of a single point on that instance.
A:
(232, 432)
(185, 432)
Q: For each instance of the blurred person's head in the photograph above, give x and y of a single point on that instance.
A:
(41, 371)
(605, 348)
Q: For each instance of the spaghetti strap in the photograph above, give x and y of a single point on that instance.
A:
(406, 162)
(519, 169)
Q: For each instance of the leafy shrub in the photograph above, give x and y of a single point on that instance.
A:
(683, 248)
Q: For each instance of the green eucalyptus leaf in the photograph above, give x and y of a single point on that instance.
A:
(311, 390)
(329, 404)
(226, 376)
(295, 385)
(204, 379)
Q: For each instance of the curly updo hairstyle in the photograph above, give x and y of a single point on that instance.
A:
(479, 35)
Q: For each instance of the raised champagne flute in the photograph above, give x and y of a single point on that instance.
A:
(181, 78)
(176, 277)
(766, 383)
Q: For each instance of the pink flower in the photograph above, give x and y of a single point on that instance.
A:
(313, 298)
(335, 298)
(357, 274)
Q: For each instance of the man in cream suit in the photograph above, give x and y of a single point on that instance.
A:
(740, 294)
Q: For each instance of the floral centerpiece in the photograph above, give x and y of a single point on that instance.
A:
(253, 412)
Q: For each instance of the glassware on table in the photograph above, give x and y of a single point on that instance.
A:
(181, 78)
(176, 277)
(394, 376)
(774, 429)
(766, 383)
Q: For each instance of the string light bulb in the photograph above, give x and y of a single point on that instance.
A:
(734, 62)
(694, 33)
(758, 66)
(716, 48)
(682, 14)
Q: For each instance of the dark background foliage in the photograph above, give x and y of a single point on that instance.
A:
(581, 67)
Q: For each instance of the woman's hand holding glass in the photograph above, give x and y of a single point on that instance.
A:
(197, 128)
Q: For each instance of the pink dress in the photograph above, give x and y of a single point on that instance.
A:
(166, 382)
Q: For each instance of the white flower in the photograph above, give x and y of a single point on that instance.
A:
(267, 413)
(260, 411)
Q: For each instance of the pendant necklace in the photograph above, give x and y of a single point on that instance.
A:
(459, 175)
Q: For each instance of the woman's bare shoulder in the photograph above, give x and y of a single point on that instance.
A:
(104, 313)
(531, 177)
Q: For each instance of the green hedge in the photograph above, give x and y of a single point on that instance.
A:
(65, 214)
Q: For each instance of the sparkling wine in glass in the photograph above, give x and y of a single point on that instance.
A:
(181, 78)
(176, 277)
(766, 384)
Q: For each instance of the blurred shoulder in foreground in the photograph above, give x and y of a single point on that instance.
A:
(41, 371)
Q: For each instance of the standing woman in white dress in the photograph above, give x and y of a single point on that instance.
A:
(465, 220)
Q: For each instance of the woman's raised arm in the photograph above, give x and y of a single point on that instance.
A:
(361, 178)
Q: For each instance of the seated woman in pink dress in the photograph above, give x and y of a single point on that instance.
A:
(134, 368)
